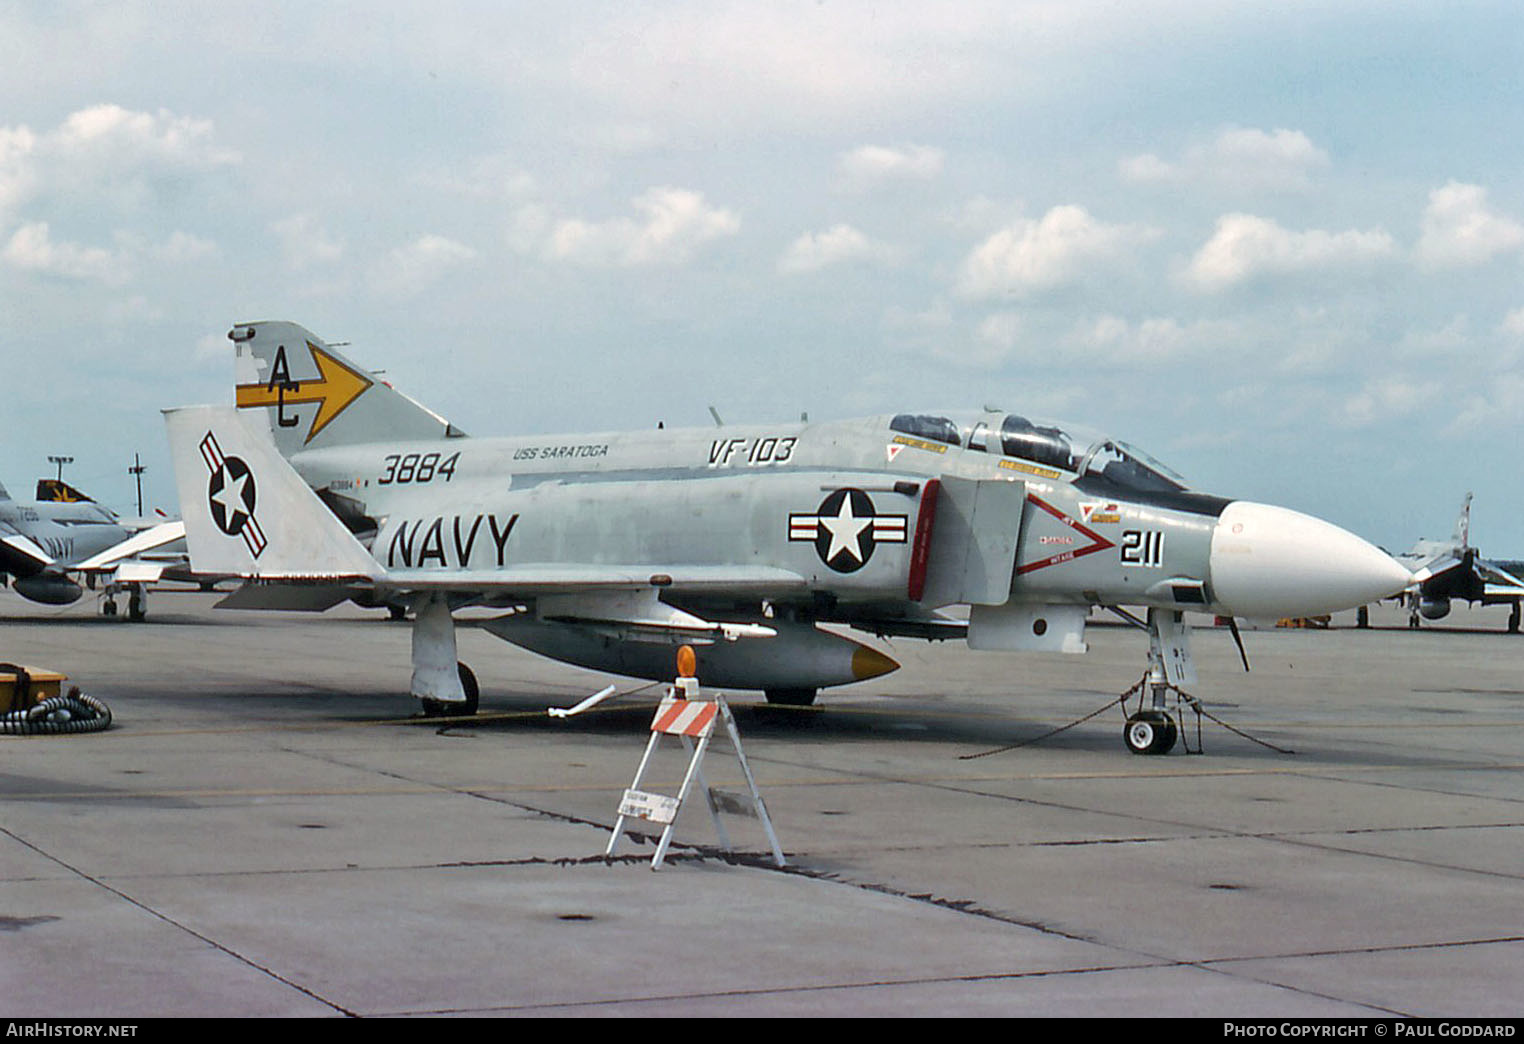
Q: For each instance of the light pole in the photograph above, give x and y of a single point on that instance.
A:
(136, 471)
(61, 461)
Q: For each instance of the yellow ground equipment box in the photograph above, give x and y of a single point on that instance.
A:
(22, 688)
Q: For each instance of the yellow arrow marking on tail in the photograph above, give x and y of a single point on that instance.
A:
(335, 387)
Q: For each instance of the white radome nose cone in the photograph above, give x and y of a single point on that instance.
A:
(1271, 561)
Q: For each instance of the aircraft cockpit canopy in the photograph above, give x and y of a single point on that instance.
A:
(1092, 458)
(1041, 444)
(926, 426)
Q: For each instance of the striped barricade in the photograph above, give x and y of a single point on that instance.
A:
(692, 721)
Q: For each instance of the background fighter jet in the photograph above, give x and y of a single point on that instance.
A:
(1449, 569)
(607, 550)
(47, 544)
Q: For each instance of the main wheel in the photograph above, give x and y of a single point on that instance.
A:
(473, 691)
(790, 697)
(1149, 732)
(447, 709)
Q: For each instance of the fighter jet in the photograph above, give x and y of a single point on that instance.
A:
(1448, 569)
(608, 550)
(48, 545)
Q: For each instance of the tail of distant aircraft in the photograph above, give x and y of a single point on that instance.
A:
(1463, 524)
(313, 397)
(247, 512)
(60, 492)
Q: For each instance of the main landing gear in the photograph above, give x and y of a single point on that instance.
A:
(137, 601)
(441, 683)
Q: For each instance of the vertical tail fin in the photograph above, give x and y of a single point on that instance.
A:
(1463, 524)
(246, 510)
(312, 397)
(58, 491)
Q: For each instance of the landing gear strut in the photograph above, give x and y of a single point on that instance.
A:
(137, 601)
(1150, 730)
(443, 684)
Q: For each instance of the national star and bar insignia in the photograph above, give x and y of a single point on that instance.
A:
(230, 495)
(846, 528)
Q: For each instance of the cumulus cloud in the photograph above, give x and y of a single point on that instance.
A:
(105, 153)
(870, 165)
(1245, 247)
(1239, 157)
(671, 225)
(304, 243)
(837, 245)
(1384, 398)
(18, 173)
(998, 336)
(140, 138)
(1031, 256)
(423, 260)
(1497, 408)
(33, 249)
(1160, 340)
(1459, 229)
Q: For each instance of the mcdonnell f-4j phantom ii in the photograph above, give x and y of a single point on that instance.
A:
(607, 550)
(46, 545)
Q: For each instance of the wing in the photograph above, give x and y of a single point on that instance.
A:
(1501, 579)
(20, 555)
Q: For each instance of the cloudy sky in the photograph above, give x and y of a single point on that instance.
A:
(1279, 245)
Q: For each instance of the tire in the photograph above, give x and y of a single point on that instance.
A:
(443, 709)
(1149, 732)
(473, 690)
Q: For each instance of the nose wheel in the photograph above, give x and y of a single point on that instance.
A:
(1150, 732)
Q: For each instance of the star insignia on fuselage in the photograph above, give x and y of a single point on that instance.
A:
(846, 528)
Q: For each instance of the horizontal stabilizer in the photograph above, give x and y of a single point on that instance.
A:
(300, 598)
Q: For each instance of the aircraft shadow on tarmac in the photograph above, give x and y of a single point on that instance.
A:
(910, 721)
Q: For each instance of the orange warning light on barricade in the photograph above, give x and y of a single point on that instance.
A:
(687, 662)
